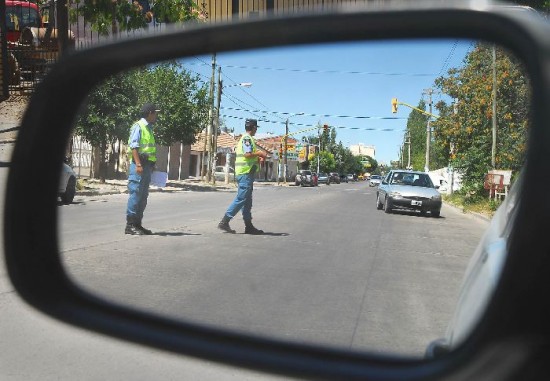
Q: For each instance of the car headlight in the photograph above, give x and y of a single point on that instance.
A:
(395, 195)
(436, 197)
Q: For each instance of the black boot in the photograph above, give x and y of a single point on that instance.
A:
(133, 229)
(224, 225)
(250, 229)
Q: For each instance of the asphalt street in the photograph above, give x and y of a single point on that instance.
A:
(37, 348)
(331, 269)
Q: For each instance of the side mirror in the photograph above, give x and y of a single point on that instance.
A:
(31, 226)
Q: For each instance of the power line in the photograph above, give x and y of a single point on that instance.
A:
(311, 125)
(318, 71)
(319, 115)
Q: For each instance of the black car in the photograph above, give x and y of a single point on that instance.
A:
(334, 178)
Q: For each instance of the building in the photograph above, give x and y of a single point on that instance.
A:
(363, 150)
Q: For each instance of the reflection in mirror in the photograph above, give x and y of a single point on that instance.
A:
(330, 267)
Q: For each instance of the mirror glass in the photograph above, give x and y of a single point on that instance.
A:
(344, 259)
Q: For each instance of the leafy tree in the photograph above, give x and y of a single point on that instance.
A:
(113, 106)
(468, 132)
(108, 113)
(416, 127)
(326, 161)
(183, 103)
(113, 16)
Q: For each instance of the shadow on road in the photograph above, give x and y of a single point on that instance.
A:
(173, 234)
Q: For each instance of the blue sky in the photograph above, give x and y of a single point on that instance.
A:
(347, 86)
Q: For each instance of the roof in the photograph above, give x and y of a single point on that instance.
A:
(225, 140)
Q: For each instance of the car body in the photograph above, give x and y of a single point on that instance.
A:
(305, 178)
(344, 178)
(375, 180)
(351, 177)
(67, 184)
(479, 281)
(334, 178)
(220, 172)
(324, 178)
(410, 190)
(509, 341)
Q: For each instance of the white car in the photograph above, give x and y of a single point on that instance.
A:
(375, 180)
(219, 173)
(67, 184)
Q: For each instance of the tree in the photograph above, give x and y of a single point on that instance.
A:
(113, 106)
(107, 114)
(468, 132)
(326, 161)
(114, 16)
(184, 104)
(416, 127)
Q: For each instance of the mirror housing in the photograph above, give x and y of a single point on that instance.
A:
(30, 228)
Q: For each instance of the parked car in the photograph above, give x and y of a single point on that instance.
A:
(219, 173)
(343, 178)
(67, 184)
(351, 177)
(375, 180)
(411, 190)
(334, 178)
(324, 178)
(305, 178)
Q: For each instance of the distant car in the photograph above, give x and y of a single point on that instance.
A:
(334, 178)
(411, 190)
(351, 177)
(375, 180)
(324, 178)
(219, 173)
(67, 184)
(304, 178)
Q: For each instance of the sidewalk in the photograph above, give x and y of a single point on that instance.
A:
(92, 187)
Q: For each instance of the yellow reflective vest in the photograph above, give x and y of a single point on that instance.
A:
(244, 165)
(147, 143)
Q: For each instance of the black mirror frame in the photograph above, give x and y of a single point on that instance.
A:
(518, 313)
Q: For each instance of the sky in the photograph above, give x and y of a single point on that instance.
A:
(347, 86)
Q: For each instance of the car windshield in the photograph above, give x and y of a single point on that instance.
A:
(414, 179)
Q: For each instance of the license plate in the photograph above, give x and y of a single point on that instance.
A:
(416, 203)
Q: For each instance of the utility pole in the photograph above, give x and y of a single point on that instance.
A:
(285, 151)
(409, 143)
(209, 127)
(428, 131)
(215, 140)
(494, 144)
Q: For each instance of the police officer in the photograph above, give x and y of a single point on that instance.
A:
(142, 155)
(246, 165)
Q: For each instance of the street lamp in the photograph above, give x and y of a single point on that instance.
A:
(285, 168)
(214, 148)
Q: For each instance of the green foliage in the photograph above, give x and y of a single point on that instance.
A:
(170, 11)
(416, 127)
(112, 16)
(114, 106)
(467, 134)
(183, 103)
(326, 161)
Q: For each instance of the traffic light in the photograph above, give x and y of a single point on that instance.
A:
(325, 128)
(394, 105)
